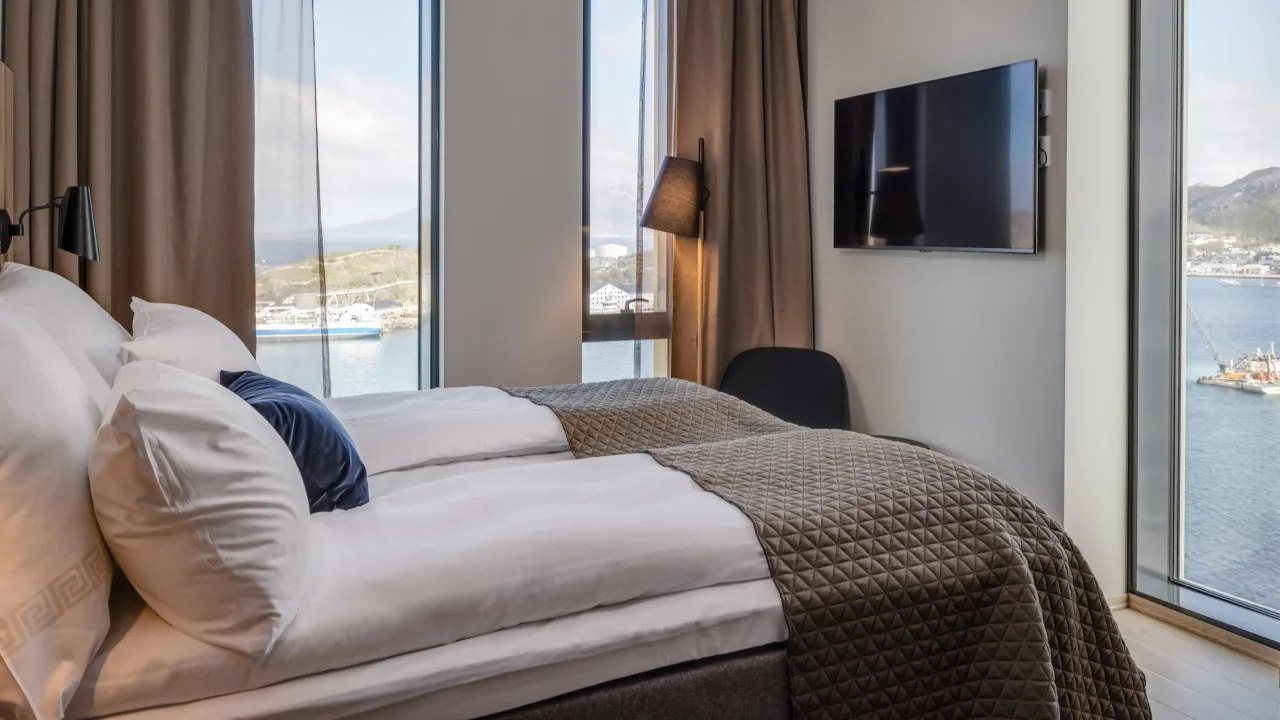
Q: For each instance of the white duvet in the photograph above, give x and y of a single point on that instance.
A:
(455, 558)
(395, 431)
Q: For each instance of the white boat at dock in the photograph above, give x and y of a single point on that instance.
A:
(336, 331)
(282, 323)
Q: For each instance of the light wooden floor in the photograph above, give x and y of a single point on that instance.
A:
(1188, 677)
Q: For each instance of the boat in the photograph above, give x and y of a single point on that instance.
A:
(280, 323)
(1257, 373)
(349, 330)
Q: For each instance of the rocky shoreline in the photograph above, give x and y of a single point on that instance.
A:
(404, 321)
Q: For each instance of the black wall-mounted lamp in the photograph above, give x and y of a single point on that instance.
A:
(77, 233)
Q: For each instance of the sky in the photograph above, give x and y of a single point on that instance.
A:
(367, 72)
(615, 115)
(1233, 88)
(367, 95)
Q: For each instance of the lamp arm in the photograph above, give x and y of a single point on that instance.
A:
(10, 229)
(17, 227)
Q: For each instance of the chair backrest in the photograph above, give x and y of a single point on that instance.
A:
(805, 387)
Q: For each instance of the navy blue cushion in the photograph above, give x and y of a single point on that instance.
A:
(331, 468)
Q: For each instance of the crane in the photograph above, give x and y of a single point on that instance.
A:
(1223, 364)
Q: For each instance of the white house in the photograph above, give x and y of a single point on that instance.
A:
(612, 251)
(613, 297)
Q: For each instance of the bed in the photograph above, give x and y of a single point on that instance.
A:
(629, 612)
(631, 549)
(574, 575)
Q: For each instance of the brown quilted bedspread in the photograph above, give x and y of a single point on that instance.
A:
(914, 585)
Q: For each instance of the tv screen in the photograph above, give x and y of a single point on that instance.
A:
(949, 164)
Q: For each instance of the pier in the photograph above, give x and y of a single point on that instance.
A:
(1249, 386)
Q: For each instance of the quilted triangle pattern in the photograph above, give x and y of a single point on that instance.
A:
(913, 585)
(625, 416)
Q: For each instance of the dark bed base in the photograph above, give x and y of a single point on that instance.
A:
(749, 685)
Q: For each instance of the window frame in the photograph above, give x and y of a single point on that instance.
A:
(610, 327)
(425, 371)
(1157, 331)
(429, 343)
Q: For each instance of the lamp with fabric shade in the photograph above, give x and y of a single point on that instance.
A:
(676, 199)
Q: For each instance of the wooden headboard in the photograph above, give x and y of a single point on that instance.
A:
(6, 143)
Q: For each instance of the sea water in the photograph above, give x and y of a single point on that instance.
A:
(358, 367)
(1231, 517)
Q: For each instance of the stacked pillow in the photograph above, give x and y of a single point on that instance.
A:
(57, 574)
(201, 493)
(86, 333)
(202, 506)
(184, 337)
(332, 473)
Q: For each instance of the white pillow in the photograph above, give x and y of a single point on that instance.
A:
(202, 505)
(56, 571)
(81, 328)
(187, 338)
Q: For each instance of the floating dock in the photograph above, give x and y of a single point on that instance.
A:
(1249, 386)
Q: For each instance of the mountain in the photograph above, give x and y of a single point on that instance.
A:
(283, 248)
(1249, 206)
(400, 228)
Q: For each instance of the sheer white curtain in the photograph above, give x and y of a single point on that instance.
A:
(287, 227)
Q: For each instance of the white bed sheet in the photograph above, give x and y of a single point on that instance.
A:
(400, 430)
(515, 667)
(460, 558)
(391, 482)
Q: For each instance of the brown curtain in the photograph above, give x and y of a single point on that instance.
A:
(739, 83)
(150, 103)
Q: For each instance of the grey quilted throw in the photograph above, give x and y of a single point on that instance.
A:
(627, 416)
(914, 585)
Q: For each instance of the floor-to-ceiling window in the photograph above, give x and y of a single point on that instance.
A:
(1207, 310)
(345, 168)
(625, 312)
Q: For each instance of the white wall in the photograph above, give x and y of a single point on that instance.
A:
(1097, 282)
(511, 191)
(963, 351)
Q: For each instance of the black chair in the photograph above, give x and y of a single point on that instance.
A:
(801, 386)
(805, 387)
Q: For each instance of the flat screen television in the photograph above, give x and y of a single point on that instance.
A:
(950, 164)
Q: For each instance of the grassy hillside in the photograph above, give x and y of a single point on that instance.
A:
(360, 270)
